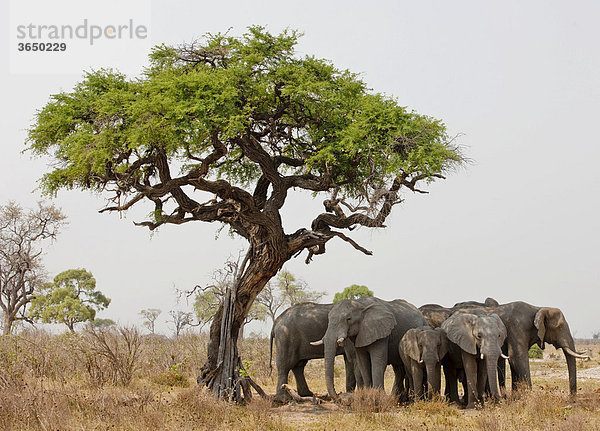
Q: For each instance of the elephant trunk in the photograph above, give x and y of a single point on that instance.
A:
(330, 347)
(434, 378)
(572, 368)
(568, 346)
(491, 363)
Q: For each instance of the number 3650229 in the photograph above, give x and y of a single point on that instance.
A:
(42, 46)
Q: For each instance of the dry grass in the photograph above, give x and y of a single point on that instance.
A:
(56, 382)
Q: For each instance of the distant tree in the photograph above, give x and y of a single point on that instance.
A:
(21, 269)
(535, 352)
(180, 319)
(103, 323)
(295, 290)
(150, 315)
(272, 299)
(596, 335)
(208, 299)
(353, 292)
(286, 291)
(71, 298)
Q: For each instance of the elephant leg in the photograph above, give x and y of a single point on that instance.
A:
(482, 380)
(360, 383)
(301, 384)
(400, 389)
(282, 378)
(364, 363)
(470, 364)
(451, 390)
(378, 352)
(411, 382)
(350, 378)
(418, 377)
(519, 367)
(502, 375)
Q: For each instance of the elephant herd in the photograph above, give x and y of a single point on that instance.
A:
(470, 341)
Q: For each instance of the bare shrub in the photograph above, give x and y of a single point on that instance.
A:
(492, 421)
(371, 400)
(111, 355)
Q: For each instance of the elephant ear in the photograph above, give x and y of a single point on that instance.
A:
(501, 326)
(443, 350)
(410, 345)
(377, 323)
(459, 329)
(540, 324)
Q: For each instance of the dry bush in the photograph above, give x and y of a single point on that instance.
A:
(203, 412)
(43, 386)
(372, 400)
(160, 354)
(110, 355)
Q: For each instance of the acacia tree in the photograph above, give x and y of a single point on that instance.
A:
(150, 315)
(180, 319)
(21, 269)
(353, 292)
(223, 130)
(71, 298)
(286, 291)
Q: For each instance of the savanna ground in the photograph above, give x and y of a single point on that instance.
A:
(124, 381)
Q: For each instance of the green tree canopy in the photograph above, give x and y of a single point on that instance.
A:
(224, 130)
(71, 298)
(352, 292)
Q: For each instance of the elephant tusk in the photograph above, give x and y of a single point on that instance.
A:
(575, 354)
(317, 343)
(421, 361)
(504, 356)
(481, 356)
(340, 341)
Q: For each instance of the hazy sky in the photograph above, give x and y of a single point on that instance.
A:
(520, 81)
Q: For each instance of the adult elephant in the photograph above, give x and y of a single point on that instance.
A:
(375, 327)
(422, 351)
(292, 332)
(480, 337)
(527, 325)
(436, 314)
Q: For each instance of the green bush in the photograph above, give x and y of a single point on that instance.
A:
(535, 352)
(172, 378)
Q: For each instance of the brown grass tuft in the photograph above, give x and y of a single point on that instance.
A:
(371, 400)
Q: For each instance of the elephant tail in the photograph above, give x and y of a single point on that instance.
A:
(271, 349)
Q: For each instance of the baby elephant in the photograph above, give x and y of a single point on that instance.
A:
(422, 350)
(480, 338)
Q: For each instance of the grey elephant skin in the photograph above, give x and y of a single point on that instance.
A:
(422, 350)
(292, 332)
(375, 327)
(480, 338)
(527, 325)
(436, 314)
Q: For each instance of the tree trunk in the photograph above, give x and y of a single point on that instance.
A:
(7, 324)
(222, 372)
